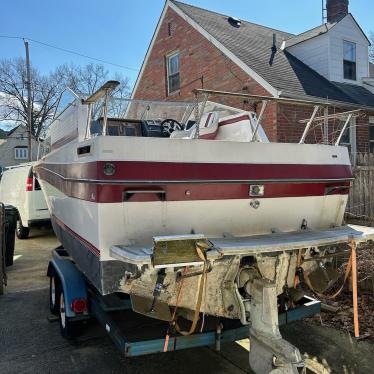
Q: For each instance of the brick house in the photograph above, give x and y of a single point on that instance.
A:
(197, 48)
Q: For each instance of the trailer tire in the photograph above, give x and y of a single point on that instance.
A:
(22, 232)
(54, 294)
(69, 328)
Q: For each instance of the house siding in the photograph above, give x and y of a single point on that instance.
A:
(289, 128)
(347, 30)
(324, 53)
(314, 53)
(7, 157)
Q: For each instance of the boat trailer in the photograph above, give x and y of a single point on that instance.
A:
(75, 288)
(76, 300)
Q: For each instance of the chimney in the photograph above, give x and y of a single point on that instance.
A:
(336, 10)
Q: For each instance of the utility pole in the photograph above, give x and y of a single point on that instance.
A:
(28, 84)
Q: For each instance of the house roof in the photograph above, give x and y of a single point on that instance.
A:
(10, 132)
(22, 128)
(252, 44)
(320, 30)
(316, 31)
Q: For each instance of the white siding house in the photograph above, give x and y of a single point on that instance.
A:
(14, 149)
(323, 51)
(348, 30)
(314, 53)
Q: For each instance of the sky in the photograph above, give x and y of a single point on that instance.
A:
(119, 31)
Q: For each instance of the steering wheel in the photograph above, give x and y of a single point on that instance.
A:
(169, 125)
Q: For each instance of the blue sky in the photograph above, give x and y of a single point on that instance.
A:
(120, 30)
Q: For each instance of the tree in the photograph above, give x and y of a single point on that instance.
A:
(13, 101)
(46, 90)
(89, 78)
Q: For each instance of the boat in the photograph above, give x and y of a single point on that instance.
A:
(166, 191)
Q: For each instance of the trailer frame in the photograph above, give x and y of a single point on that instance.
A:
(76, 286)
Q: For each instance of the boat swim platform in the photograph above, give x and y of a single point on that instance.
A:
(252, 245)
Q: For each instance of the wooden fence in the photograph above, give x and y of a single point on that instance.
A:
(361, 197)
(360, 208)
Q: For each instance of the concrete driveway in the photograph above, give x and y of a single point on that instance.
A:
(29, 343)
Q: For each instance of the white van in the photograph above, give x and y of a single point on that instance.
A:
(19, 187)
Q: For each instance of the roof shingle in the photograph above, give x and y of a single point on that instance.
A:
(317, 31)
(252, 44)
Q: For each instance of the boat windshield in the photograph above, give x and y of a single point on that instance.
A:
(67, 98)
(175, 119)
(106, 112)
(204, 118)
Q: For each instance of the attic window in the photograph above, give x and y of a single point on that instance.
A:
(349, 60)
(235, 22)
(171, 28)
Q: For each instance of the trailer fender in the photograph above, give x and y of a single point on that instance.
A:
(72, 281)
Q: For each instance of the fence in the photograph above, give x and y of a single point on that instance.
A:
(361, 197)
(360, 210)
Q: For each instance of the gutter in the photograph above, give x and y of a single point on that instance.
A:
(317, 101)
(288, 99)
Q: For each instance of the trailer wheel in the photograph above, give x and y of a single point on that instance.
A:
(54, 294)
(69, 328)
(22, 232)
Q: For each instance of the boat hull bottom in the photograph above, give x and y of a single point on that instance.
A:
(105, 276)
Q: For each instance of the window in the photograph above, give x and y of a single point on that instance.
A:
(170, 28)
(346, 137)
(21, 153)
(349, 60)
(130, 131)
(173, 78)
(371, 134)
(113, 130)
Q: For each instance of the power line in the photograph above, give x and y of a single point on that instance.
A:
(68, 51)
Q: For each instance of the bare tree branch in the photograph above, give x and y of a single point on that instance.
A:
(46, 90)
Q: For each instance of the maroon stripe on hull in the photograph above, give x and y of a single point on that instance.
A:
(86, 243)
(114, 193)
(189, 172)
(193, 192)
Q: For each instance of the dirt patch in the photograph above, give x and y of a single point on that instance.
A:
(341, 316)
(342, 319)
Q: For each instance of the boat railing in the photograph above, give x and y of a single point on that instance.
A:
(319, 105)
(104, 103)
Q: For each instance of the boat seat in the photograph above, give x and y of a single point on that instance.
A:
(237, 127)
(208, 127)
